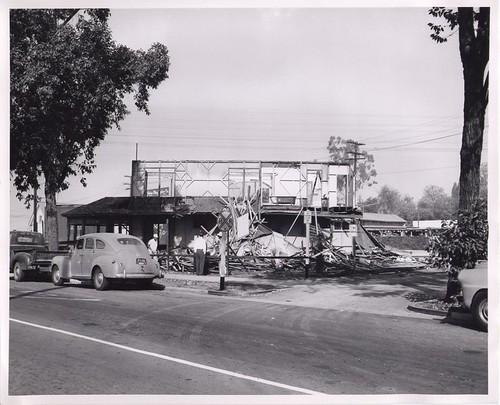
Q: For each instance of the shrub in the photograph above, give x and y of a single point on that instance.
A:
(461, 243)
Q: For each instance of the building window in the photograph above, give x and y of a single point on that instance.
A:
(91, 228)
(342, 190)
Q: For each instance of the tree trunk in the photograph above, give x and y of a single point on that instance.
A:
(452, 287)
(51, 220)
(474, 53)
(470, 156)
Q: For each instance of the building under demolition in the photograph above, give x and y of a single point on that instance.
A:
(180, 198)
(277, 210)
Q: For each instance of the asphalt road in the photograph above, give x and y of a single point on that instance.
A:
(75, 340)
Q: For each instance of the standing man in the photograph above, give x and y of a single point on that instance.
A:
(153, 245)
(200, 249)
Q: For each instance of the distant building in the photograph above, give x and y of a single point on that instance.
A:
(379, 223)
(40, 219)
(62, 223)
(432, 224)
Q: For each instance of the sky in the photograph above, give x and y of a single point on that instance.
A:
(276, 83)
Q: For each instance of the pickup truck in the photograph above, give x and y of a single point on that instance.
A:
(29, 254)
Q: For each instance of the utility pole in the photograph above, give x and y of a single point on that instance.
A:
(35, 209)
(356, 155)
(307, 222)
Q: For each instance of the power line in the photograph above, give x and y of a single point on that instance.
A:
(421, 170)
(415, 143)
(423, 125)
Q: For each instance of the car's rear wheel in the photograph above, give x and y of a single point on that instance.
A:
(19, 273)
(480, 310)
(101, 283)
(56, 276)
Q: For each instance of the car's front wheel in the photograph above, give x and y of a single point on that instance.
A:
(56, 276)
(480, 310)
(101, 283)
(19, 273)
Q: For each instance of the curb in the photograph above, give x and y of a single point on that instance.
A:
(264, 284)
(245, 294)
(427, 311)
(218, 292)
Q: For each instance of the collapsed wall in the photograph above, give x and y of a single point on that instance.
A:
(255, 246)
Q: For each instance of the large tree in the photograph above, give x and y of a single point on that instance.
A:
(474, 43)
(483, 188)
(69, 79)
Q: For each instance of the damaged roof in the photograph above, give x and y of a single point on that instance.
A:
(109, 206)
(106, 205)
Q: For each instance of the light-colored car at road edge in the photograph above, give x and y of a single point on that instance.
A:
(474, 284)
(103, 257)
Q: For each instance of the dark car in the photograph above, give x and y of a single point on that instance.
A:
(24, 246)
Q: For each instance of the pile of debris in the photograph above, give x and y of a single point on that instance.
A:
(255, 247)
(370, 254)
(252, 245)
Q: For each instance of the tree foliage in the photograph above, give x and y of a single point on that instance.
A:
(435, 204)
(69, 79)
(390, 201)
(408, 209)
(68, 83)
(343, 150)
(455, 197)
(474, 43)
(461, 243)
(371, 204)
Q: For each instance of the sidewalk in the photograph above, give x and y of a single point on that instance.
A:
(387, 294)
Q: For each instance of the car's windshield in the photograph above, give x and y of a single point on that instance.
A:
(27, 239)
(128, 241)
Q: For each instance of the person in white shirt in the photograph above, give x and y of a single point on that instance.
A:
(200, 249)
(153, 245)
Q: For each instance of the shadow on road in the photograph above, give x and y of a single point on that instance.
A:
(371, 292)
(414, 286)
(463, 320)
(31, 293)
(120, 286)
(132, 286)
